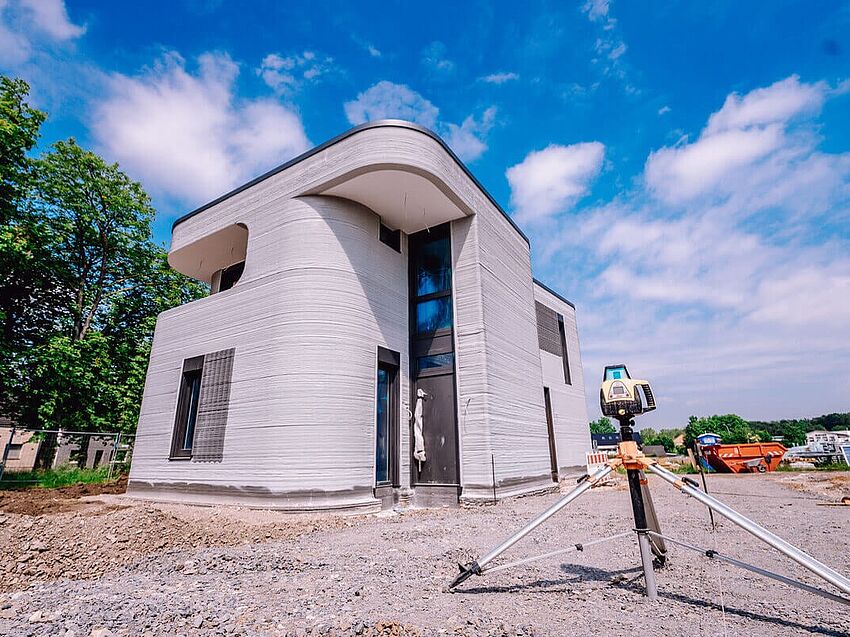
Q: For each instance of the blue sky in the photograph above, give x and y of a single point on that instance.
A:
(682, 168)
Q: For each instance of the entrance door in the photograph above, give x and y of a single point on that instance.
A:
(432, 357)
(439, 431)
(550, 426)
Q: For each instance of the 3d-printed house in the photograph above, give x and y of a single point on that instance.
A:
(343, 283)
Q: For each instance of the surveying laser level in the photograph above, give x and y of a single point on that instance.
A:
(620, 396)
(624, 398)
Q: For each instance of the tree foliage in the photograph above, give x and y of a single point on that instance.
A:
(665, 437)
(730, 427)
(82, 281)
(602, 425)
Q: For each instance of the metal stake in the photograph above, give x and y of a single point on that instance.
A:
(493, 467)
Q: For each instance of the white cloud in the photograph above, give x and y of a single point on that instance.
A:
(386, 100)
(724, 275)
(596, 10)
(435, 58)
(776, 104)
(467, 140)
(748, 149)
(617, 51)
(499, 78)
(550, 180)
(285, 74)
(51, 16)
(187, 134)
(26, 25)
(664, 110)
(14, 46)
(373, 51)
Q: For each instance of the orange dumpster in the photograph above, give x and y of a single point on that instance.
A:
(751, 457)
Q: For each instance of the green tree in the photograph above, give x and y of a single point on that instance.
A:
(665, 437)
(602, 425)
(28, 286)
(82, 282)
(101, 221)
(730, 427)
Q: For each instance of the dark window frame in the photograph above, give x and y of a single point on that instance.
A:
(15, 451)
(391, 362)
(565, 358)
(389, 237)
(192, 372)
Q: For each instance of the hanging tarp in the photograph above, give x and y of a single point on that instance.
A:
(418, 438)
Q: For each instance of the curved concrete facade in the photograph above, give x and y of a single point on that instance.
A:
(320, 293)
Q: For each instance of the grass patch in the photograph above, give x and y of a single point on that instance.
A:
(52, 478)
(685, 468)
(826, 466)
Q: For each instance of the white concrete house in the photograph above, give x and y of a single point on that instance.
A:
(343, 282)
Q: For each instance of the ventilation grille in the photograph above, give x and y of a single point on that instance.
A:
(548, 336)
(213, 406)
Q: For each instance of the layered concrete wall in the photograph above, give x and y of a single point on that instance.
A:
(318, 296)
(569, 409)
(501, 412)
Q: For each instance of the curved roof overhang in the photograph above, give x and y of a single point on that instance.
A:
(408, 194)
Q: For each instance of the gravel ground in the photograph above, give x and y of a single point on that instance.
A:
(179, 570)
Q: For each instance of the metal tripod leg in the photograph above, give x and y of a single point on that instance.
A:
(646, 562)
(803, 559)
(474, 568)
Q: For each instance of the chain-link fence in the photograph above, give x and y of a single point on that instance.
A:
(25, 451)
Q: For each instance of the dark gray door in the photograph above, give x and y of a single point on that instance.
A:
(439, 431)
(550, 426)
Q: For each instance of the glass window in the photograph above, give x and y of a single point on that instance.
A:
(231, 275)
(14, 452)
(382, 447)
(436, 360)
(434, 315)
(193, 380)
(434, 271)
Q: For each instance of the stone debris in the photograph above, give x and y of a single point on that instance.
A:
(121, 568)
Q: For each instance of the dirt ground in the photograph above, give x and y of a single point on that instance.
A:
(108, 565)
(45, 501)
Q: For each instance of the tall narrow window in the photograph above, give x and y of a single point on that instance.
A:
(187, 408)
(386, 427)
(565, 357)
(382, 447)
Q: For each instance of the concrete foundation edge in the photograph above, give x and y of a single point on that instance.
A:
(360, 500)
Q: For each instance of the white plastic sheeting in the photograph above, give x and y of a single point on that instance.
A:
(418, 438)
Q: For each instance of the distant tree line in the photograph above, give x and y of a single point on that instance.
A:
(732, 429)
(81, 280)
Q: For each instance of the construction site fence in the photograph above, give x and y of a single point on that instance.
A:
(20, 447)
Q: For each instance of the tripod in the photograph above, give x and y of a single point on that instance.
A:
(650, 539)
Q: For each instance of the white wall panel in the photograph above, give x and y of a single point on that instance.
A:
(320, 293)
(569, 409)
